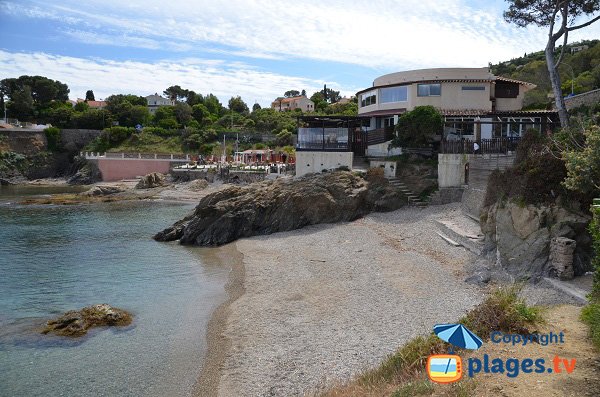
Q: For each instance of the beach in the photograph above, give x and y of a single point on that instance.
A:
(315, 306)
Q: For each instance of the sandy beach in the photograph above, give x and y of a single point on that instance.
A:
(317, 305)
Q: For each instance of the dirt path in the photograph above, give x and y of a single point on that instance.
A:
(583, 381)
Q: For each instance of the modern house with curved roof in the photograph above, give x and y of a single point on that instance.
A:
(462, 95)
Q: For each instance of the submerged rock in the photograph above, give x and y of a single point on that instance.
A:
(282, 205)
(78, 322)
(152, 180)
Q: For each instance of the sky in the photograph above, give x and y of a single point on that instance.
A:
(257, 49)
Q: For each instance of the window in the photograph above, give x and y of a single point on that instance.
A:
(507, 90)
(393, 94)
(368, 98)
(429, 89)
(472, 88)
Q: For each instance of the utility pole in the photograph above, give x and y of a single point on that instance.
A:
(5, 117)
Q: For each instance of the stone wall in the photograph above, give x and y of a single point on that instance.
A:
(446, 195)
(73, 140)
(451, 169)
(27, 142)
(587, 98)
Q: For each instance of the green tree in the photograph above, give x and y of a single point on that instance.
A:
(89, 95)
(417, 127)
(291, 93)
(583, 162)
(236, 104)
(21, 105)
(213, 105)
(176, 93)
(256, 107)
(201, 114)
(559, 17)
(183, 113)
(61, 117)
(93, 119)
(81, 107)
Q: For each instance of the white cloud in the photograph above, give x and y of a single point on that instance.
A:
(384, 34)
(108, 77)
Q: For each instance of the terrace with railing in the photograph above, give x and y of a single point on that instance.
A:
(485, 146)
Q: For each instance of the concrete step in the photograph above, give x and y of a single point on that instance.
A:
(464, 231)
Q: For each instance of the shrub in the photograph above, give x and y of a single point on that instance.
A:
(503, 310)
(53, 138)
(594, 229)
(591, 316)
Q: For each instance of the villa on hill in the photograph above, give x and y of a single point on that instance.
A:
(155, 101)
(288, 104)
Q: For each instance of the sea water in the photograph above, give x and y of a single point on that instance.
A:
(59, 258)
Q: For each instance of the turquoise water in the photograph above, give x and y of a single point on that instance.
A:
(59, 258)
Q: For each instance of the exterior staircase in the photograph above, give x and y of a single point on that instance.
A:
(413, 199)
(360, 163)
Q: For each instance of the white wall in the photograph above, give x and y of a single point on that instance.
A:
(389, 167)
(311, 162)
(381, 150)
(451, 169)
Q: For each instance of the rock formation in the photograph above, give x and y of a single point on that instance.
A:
(521, 236)
(86, 172)
(78, 322)
(281, 205)
(152, 180)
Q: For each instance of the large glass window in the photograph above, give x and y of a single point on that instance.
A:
(393, 94)
(368, 98)
(429, 89)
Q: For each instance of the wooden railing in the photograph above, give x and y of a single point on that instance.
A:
(484, 146)
(380, 135)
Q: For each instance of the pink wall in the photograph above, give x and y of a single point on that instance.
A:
(116, 169)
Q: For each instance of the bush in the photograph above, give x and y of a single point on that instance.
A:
(591, 316)
(594, 229)
(505, 311)
(53, 138)
(116, 135)
(417, 127)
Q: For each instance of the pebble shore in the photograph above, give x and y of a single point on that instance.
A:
(323, 303)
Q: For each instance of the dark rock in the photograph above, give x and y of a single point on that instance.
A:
(152, 180)
(85, 172)
(521, 236)
(281, 205)
(78, 322)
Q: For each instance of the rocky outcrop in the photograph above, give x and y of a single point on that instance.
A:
(152, 180)
(85, 172)
(282, 205)
(77, 322)
(521, 237)
(198, 185)
(104, 190)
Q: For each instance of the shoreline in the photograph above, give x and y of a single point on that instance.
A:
(217, 345)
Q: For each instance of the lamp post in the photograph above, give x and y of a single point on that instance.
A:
(572, 77)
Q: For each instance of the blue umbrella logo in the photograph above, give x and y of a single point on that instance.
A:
(458, 335)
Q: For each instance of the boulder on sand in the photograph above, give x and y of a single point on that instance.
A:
(281, 205)
(152, 180)
(78, 322)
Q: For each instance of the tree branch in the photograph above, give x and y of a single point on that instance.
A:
(583, 25)
(562, 51)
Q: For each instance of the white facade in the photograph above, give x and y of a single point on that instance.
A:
(155, 101)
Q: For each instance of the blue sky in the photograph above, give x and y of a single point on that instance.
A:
(253, 48)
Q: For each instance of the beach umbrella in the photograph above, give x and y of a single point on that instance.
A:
(458, 335)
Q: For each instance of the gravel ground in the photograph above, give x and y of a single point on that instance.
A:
(325, 302)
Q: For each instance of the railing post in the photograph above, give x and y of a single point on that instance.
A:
(171, 157)
(123, 155)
